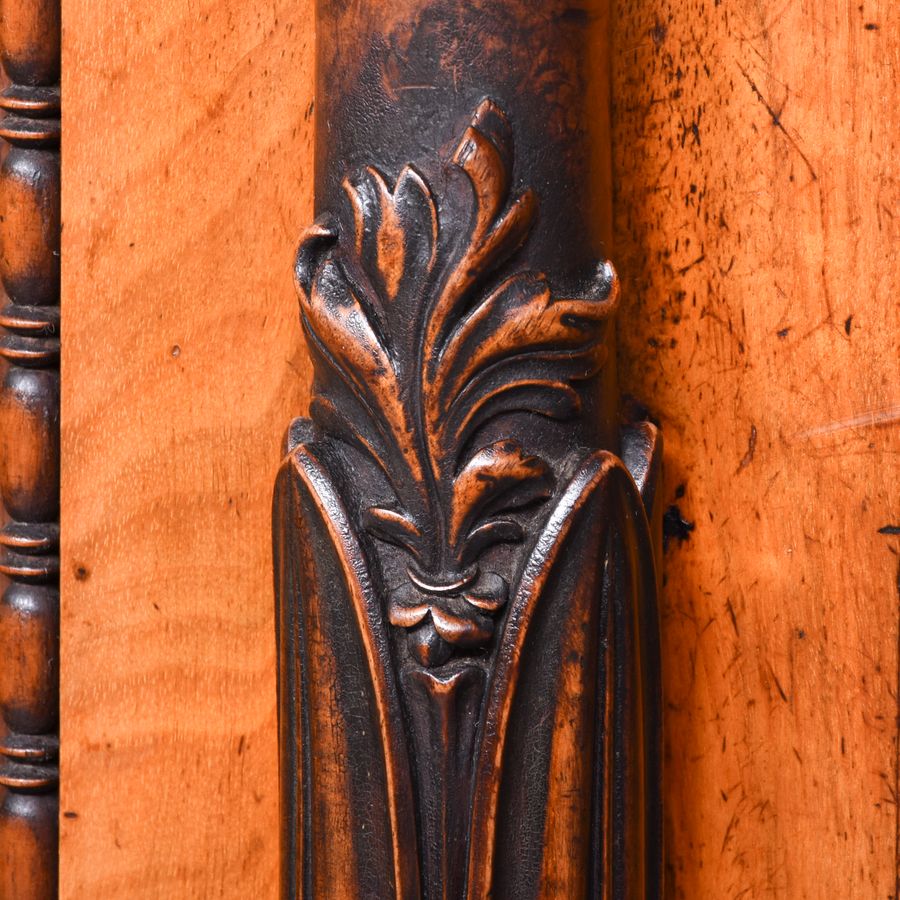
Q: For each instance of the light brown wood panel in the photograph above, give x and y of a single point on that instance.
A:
(186, 164)
(756, 233)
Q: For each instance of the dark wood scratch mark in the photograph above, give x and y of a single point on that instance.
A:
(733, 617)
(784, 696)
(751, 449)
(776, 121)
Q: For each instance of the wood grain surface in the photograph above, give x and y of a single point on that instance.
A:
(186, 189)
(756, 230)
(756, 213)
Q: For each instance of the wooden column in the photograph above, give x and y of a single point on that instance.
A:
(464, 562)
(29, 449)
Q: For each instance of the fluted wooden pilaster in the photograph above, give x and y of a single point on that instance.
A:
(29, 449)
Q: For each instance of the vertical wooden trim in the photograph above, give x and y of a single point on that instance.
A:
(465, 572)
(29, 449)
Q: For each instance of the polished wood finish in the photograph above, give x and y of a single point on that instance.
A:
(29, 450)
(757, 227)
(464, 566)
(188, 137)
(163, 141)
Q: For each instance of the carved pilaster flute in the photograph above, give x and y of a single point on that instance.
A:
(29, 449)
(465, 569)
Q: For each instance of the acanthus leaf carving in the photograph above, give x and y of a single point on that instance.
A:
(422, 337)
(467, 585)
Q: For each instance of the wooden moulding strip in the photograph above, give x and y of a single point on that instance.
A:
(29, 449)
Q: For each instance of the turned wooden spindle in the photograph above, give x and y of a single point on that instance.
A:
(29, 449)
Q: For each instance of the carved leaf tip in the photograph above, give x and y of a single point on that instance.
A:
(497, 479)
(395, 528)
(488, 121)
(395, 228)
(322, 234)
(485, 154)
(605, 287)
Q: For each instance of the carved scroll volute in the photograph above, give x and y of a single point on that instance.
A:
(464, 574)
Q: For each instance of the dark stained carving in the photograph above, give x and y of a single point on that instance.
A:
(420, 346)
(478, 550)
(29, 449)
(464, 563)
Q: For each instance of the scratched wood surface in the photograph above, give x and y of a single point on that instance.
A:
(756, 230)
(186, 191)
(755, 210)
